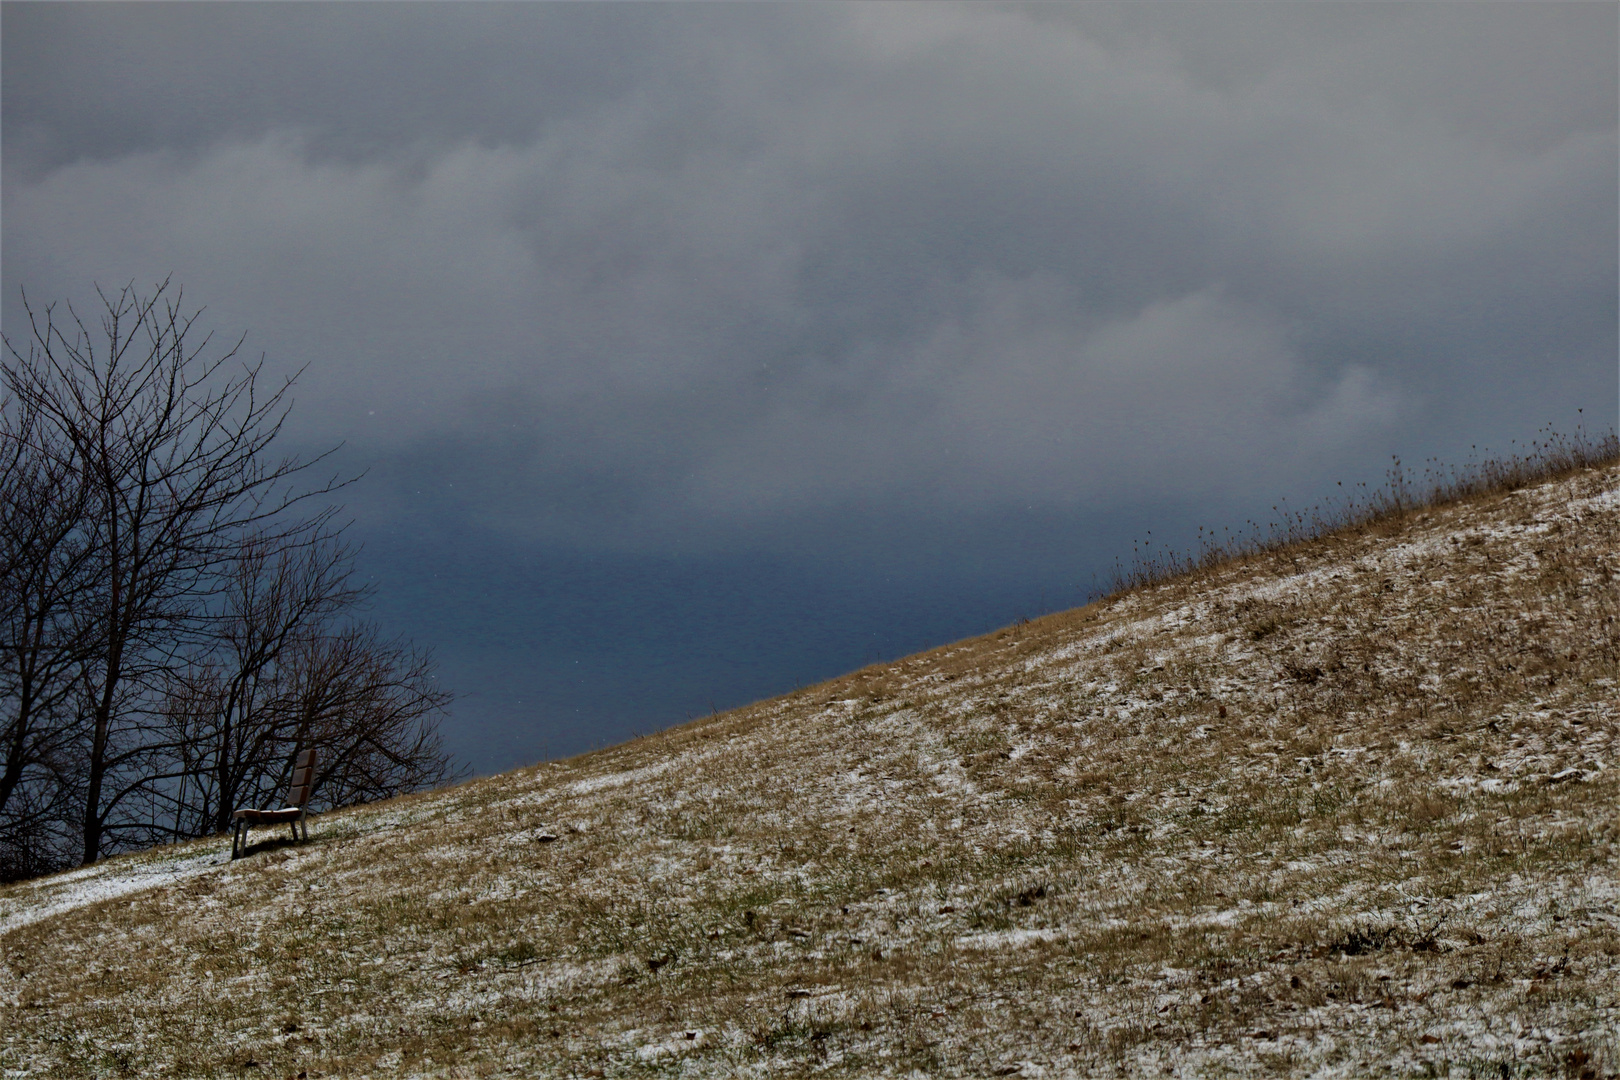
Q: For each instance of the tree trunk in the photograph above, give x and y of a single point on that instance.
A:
(97, 773)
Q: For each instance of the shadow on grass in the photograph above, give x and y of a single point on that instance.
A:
(271, 844)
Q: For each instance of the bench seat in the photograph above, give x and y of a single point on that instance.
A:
(296, 814)
(269, 817)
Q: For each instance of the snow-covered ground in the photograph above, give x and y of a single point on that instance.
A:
(1340, 810)
(32, 901)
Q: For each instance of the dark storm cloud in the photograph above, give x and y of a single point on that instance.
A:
(83, 82)
(620, 273)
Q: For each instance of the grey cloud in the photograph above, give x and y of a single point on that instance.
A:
(361, 81)
(1522, 76)
(642, 269)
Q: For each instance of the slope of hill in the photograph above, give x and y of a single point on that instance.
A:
(1344, 809)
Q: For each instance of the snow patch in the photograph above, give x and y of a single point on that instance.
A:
(620, 779)
(107, 880)
(1004, 939)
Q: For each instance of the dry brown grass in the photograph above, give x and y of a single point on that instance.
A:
(1551, 456)
(1340, 808)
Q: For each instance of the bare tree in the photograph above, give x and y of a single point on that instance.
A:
(371, 706)
(172, 447)
(46, 570)
(231, 708)
(164, 583)
(288, 673)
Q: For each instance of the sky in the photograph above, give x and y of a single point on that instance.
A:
(693, 352)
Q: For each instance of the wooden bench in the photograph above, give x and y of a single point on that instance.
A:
(294, 813)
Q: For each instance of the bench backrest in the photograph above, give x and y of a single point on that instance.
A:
(303, 779)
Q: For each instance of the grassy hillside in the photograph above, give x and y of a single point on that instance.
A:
(1344, 808)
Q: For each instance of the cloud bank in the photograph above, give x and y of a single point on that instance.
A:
(616, 275)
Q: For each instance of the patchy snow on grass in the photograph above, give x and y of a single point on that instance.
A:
(1005, 939)
(50, 896)
(1340, 810)
(620, 779)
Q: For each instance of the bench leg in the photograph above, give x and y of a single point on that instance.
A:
(236, 840)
